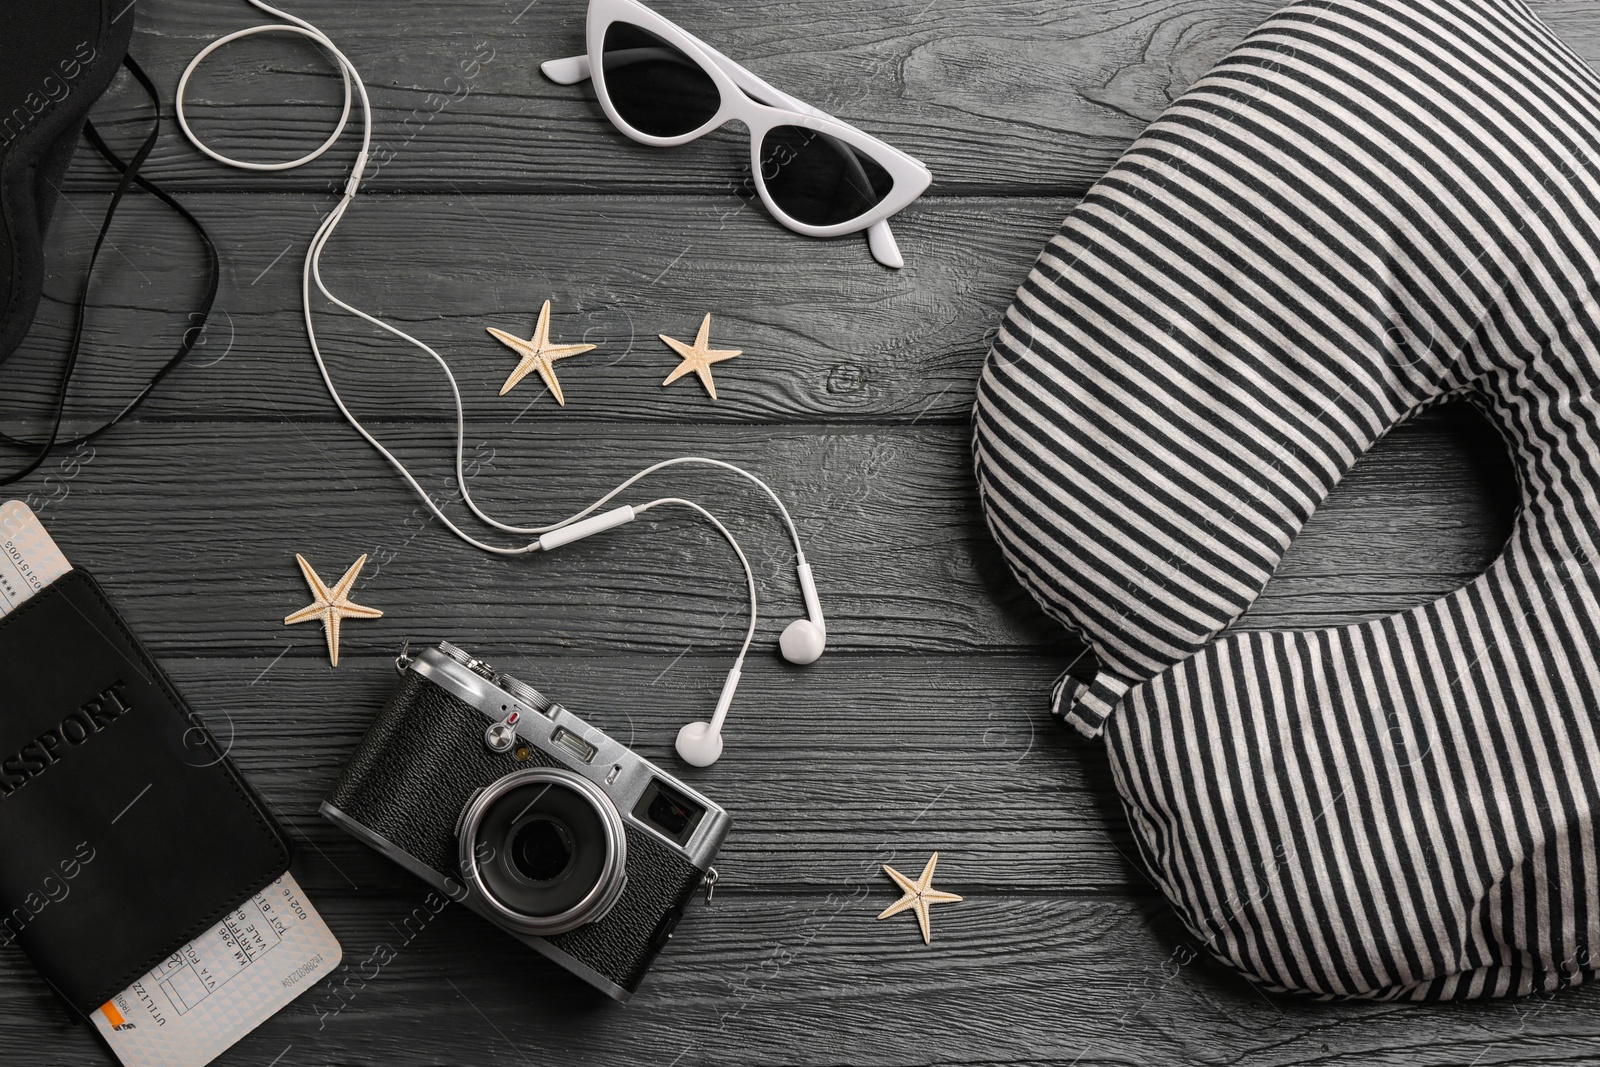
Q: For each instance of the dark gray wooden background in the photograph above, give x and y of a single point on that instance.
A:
(923, 727)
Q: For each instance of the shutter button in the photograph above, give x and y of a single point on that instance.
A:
(502, 735)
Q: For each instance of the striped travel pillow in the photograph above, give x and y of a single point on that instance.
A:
(1368, 207)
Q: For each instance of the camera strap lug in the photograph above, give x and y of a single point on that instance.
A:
(403, 660)
(710, 882)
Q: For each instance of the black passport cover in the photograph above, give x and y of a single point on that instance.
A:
(124, 830)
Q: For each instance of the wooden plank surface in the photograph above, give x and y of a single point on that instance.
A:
(191, 519)
(995, 96)
(922, 729)
(843, 341)
(813, 980)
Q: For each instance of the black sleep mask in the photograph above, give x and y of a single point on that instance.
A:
(56, 59)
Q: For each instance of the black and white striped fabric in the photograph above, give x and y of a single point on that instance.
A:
(1368, 207)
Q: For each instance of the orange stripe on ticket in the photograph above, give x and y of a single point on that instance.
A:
(113, 1016)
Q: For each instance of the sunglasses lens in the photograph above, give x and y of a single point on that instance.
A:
(654, 86)
(820, 180)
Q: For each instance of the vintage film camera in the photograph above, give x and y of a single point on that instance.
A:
(534, 819)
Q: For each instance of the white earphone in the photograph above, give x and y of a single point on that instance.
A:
(802, 641)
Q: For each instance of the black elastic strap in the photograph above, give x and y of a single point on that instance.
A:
(130, 176)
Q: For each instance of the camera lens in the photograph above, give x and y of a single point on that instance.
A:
(546, 849)
(541, 847)
(541, 850)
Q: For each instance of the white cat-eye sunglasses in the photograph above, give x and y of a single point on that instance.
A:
(665, 87)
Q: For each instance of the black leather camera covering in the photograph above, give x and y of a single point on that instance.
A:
(422, 759)
(124, 830)
(58, 57)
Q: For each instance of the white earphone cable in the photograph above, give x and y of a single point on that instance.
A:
(803, 640)
(296, 25)
(313, 272)
(749, 575)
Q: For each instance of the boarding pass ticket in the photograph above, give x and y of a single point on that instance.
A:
(223, 984)
(29, 559)
(235, 976)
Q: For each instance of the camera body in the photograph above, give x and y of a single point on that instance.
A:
(534, 819)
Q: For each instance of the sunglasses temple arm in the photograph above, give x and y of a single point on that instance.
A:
(569, 71)
(882, 243)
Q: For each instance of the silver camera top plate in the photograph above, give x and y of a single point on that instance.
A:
(620, 772)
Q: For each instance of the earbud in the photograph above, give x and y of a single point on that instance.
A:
(697, 745)
(803, 640)
(700, 743)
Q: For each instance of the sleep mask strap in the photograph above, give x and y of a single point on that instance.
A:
(130, 176)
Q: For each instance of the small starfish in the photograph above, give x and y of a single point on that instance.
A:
(331, 605)
(918, 895)
(538, 354)
(698, 357)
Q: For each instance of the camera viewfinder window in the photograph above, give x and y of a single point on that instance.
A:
(672, 814)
